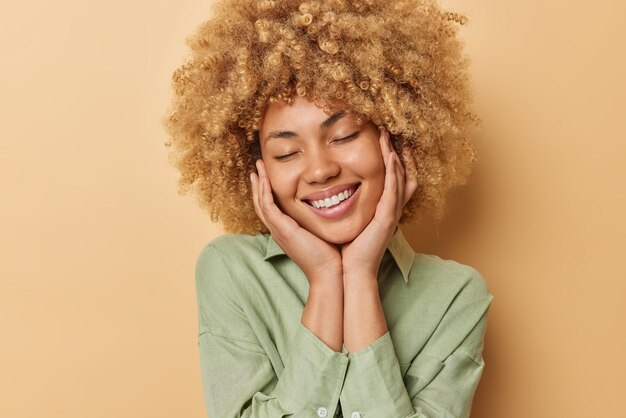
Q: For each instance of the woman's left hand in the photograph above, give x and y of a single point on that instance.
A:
(364, 254)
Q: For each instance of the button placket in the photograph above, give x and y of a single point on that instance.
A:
(322, 412)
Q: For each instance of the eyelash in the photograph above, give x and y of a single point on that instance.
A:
(345, 138)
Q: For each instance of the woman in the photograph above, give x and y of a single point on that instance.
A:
(294, 122)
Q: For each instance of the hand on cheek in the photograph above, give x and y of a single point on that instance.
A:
(318, 259)
(364, 254)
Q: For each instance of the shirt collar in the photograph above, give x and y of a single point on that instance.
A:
(398, 246)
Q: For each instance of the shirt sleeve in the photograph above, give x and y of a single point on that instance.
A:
(238, 378)
(440, 381)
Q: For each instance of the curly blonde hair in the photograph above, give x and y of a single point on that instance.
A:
(399, 64)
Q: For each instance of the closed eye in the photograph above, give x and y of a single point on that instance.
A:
(346, 138)
(340, 140)
(284, 157)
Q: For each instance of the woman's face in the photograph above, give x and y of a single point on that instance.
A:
(326, 171)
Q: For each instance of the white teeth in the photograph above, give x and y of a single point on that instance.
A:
(332, 201)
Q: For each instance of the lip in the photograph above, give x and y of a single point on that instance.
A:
(330, 192)
(339, 210)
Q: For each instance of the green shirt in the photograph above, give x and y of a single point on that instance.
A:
(258, 360)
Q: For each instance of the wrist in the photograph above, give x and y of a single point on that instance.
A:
(325, 283)
(359, 269)
(327, 273)
(360, 276)
(359, 283)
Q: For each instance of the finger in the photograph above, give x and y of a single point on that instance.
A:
(410, 189)
(411, 175)
(273, 215)
(400, 182)
(385, 147)
(390, 178)
(254, 181)
(399, 167)
(389, 196)
(263, 188)
(253, 188)
(259, 184)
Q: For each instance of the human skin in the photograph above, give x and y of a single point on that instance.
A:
(321, 151)
(312, 151)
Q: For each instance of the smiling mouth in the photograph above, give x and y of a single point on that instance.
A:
(333, 201)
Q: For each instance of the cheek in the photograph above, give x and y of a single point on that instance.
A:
(284, 182)
(368, 163)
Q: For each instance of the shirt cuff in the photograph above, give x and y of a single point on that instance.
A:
(313, 376)
(373, 385)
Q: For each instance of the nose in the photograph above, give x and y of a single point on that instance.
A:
(321, 166)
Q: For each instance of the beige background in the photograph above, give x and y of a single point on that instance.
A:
(97, 303)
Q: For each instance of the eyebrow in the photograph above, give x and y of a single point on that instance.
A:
(332, 119)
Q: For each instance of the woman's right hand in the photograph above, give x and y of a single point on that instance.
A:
(320, 260)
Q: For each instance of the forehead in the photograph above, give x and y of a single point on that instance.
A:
(300, 113)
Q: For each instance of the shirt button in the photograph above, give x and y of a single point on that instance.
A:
(356, 415)
(322, 412)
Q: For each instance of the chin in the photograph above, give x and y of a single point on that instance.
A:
(338, 235)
